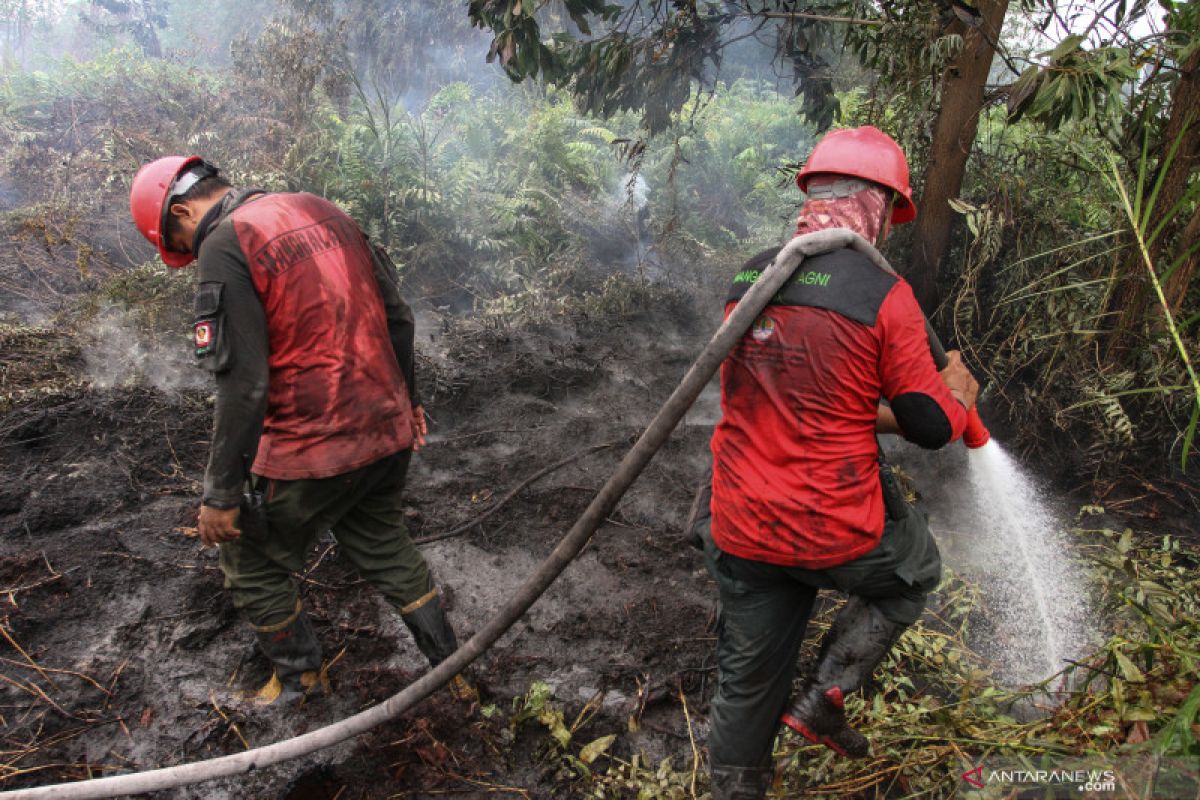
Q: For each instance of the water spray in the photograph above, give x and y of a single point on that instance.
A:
(1022, 521)
(1019, 519)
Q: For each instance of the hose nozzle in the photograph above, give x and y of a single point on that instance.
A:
(976, 434)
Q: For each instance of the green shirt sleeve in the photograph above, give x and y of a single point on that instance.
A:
(239, 366)
(400, 322)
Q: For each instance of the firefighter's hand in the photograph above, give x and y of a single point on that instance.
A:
(419, 427)
(217, 525)
(959, 380)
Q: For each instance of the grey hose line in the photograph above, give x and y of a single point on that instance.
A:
(653, 438)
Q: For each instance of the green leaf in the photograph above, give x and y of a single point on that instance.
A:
(1140, 714)
(1177, 733)
(1067, 45)
(1128, 668)
(597, 748)
(553, 719)
(1022, 90)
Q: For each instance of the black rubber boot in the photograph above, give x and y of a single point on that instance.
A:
(426, 620)
(857, 641)
(740, 783)
(295, 653)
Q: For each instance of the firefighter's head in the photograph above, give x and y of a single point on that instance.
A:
(168, 199)
(849, 160)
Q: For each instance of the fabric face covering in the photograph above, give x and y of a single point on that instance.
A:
(861, 212)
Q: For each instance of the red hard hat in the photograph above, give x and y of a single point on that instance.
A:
(866, 153)
(148, 198)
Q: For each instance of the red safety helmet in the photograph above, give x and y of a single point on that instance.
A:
(866, 153)
(148, 202)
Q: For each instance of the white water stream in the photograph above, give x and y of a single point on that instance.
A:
(1000, 531)
(1036, 600)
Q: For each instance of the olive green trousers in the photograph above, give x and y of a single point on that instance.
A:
(363, 510)
(764, 614)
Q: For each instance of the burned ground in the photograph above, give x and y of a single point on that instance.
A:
(124, 652)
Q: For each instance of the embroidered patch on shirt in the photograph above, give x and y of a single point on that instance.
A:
(763, 328)
(204, 334)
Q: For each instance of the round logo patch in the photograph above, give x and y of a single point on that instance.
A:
(763, 328)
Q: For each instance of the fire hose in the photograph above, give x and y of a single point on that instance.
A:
(976, 434)
(651, 440)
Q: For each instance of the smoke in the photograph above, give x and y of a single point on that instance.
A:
(636, 190)
(9, 197)
(117, 353)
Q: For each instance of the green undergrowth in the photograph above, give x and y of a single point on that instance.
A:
(1132, 706)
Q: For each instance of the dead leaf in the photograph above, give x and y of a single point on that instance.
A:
(1138, 733)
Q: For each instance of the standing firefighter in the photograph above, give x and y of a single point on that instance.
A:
(799, 502)
(302, 323)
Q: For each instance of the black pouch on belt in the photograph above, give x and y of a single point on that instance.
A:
(893, 495)
(252, 513)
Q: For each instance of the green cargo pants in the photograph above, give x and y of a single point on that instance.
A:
(363, 510)
(763, 616)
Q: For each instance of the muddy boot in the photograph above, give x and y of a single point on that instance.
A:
(426, 620)
(295, 653)
(740, 783)
(857, 641)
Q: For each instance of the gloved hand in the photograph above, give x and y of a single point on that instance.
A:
(217, 525)
(959, 380)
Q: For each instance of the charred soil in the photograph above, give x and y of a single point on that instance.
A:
(122, 652)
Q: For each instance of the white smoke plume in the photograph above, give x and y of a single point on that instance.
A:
(117, 353)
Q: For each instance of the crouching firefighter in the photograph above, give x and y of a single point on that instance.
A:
(301, 321)
(799, 500)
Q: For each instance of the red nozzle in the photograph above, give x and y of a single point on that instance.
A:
(975, 435)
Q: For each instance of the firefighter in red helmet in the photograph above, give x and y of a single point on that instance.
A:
(799, 500)
(300, 319)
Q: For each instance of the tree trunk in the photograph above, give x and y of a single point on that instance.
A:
(1181, 280)
(953, 136)
(1131, 302)
(1184, 124)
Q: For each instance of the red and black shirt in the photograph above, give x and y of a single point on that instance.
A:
(795, 469)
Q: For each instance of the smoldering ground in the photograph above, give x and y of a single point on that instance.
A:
(121, 597)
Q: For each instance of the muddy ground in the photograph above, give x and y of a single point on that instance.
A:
(122, 652)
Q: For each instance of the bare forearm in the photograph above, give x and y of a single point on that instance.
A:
(885, 421)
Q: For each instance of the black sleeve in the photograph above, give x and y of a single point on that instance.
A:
(922, 420)
(238, 358)
(401, 326)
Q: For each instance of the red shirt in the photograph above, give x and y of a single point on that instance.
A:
(795, 470)
(337, 399)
